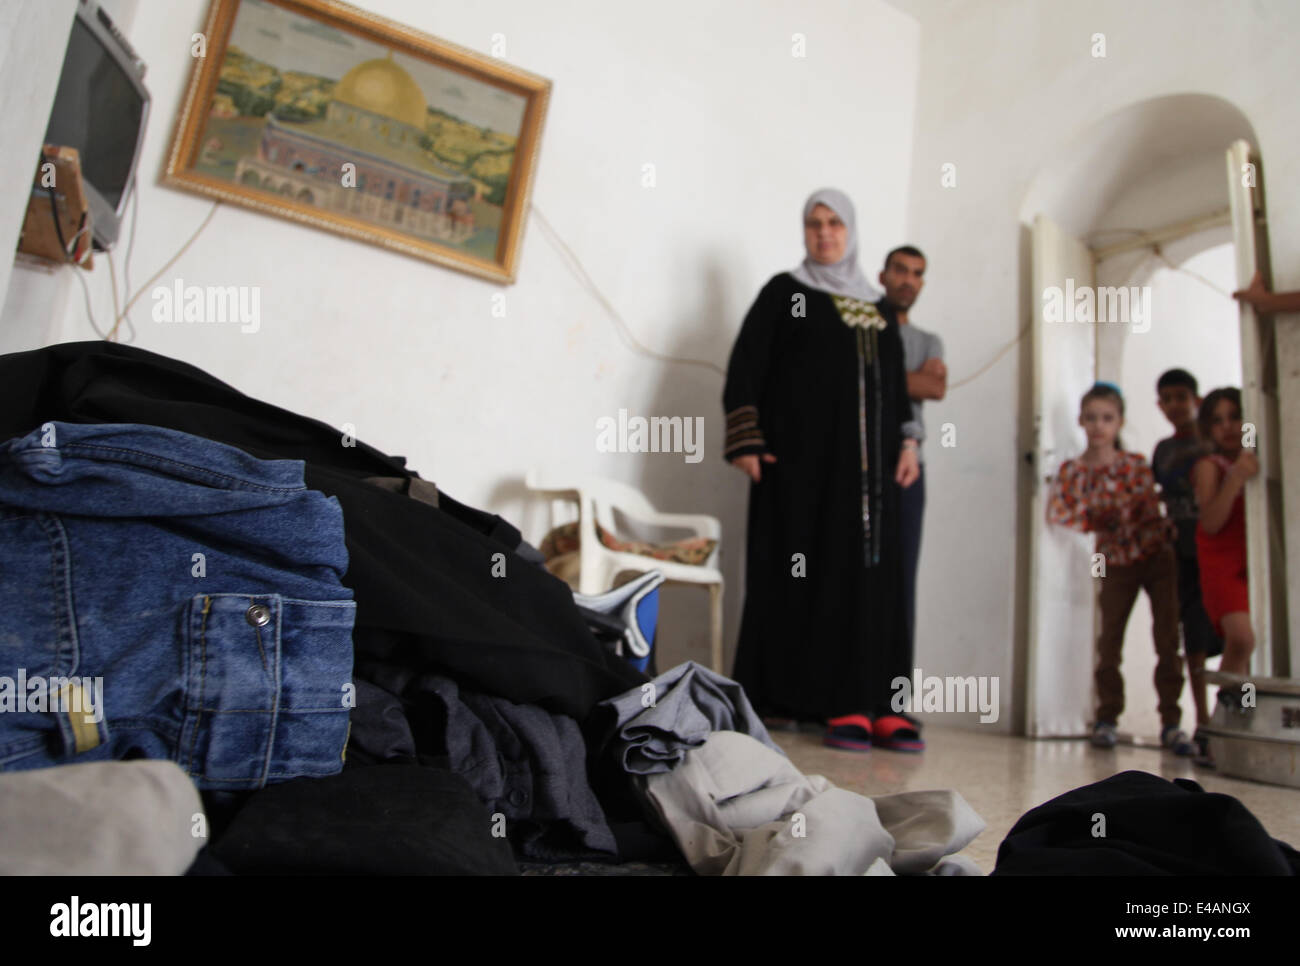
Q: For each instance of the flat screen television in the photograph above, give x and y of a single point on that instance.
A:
(101, 109)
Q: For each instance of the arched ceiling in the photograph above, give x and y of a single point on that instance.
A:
(1167, 150)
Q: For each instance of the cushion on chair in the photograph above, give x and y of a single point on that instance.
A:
(691, 550)
(560, 540)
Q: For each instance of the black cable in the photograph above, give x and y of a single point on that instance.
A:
(54, 210)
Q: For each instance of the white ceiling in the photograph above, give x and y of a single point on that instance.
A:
(1172, 146)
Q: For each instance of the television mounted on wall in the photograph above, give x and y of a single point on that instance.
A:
(101, 109)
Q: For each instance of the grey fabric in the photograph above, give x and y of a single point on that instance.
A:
(845, 277)
(918, 346)
(927, 826)
(735, 807)
(529, 765)
(140, 817)
(689, 703)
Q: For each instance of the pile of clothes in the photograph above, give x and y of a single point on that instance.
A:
(272, 648)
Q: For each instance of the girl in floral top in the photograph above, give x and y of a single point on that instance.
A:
(1112, 493)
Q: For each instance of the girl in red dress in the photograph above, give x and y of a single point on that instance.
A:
(1221, 533)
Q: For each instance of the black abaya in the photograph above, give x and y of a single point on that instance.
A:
(822, 631)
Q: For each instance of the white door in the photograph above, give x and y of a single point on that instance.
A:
(1263, 494)
(1061, 589)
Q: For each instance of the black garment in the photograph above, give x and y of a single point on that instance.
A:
(822, 633)
(1152, 827)
(522, 762)
(912, 507)
(204, 864)
(560, 804)
(422, 575)
(1171, 464)
(383, 820)
(1199, 636)
(379, 728)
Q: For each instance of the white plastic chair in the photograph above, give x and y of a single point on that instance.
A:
(597, 499)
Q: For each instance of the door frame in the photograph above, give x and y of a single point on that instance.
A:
(1250, 249)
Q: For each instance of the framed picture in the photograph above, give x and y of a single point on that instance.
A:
(336, 118)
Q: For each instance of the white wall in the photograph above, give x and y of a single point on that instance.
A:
(31, 76)
(740, 132)
(1006, 86)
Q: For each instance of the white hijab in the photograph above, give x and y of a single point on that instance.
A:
(844, 277)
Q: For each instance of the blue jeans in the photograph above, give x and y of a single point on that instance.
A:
(175, 598)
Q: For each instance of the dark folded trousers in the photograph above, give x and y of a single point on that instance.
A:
(1158, 576)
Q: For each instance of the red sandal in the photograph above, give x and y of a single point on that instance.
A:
(896, 733)
(852, 732)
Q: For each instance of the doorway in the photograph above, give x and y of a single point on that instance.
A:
(1146, 188)
(1194, 326)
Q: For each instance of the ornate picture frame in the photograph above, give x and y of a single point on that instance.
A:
(337, 118)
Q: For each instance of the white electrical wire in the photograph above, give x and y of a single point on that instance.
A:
(126, 262)
(156, 275)
(574, 264)
(72, 247)
(112, 278)
(85, 290)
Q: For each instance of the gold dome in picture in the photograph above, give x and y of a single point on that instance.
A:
(382, 87)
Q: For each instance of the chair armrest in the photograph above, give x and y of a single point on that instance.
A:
(535, 481)
(701, 523)
(674, 572)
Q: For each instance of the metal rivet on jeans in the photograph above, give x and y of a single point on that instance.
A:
(259, 615)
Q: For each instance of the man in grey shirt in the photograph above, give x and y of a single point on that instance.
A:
(927, 378)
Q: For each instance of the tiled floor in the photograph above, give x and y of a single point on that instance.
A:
(1003, 777)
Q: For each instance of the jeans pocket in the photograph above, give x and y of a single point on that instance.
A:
(267, 689)
(38, 631)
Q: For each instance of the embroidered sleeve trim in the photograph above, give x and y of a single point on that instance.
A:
(744, 434)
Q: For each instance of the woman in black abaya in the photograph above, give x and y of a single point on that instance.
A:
(818, 417)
